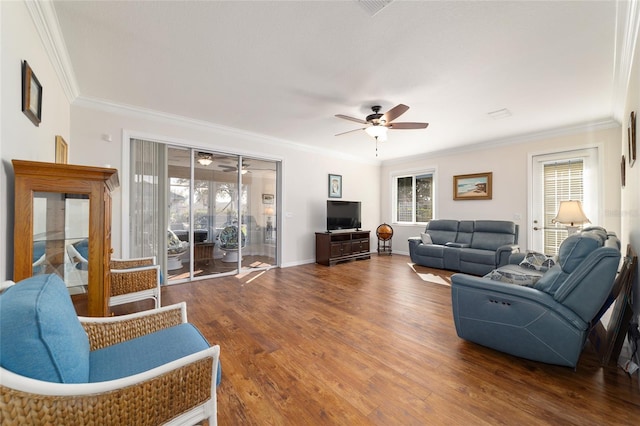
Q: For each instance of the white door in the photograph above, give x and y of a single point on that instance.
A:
(555, 177)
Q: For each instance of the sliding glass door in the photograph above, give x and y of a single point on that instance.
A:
(222, 213)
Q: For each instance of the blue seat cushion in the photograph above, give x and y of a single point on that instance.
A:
(432, 250)
(483, 257)
(124, 359)
(40, 334)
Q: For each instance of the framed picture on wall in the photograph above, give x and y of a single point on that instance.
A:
(477, 186)
(267, 198)
(31, 95)
(335, 186)
(631, 139)
(62, 150)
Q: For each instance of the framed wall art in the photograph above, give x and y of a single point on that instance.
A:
(267, 198)
(335, 186)
(31, 95)
(631, 139)
(623, 174)
(477, 186)
(62, 150)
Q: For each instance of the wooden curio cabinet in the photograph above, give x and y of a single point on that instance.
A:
(63, 226)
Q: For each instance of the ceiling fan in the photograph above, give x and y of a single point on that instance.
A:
(234, 168)
(377, 124)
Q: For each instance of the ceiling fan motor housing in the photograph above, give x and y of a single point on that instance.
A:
(375, 117)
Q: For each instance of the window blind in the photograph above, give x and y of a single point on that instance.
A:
(563, 181)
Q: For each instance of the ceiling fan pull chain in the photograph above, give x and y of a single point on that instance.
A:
(376, 146)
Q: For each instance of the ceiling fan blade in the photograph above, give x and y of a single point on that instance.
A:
(346, 117)
(350, 131)
(394, 113)
(403, 126)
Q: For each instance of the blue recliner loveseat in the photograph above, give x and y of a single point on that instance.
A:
(470, 246)
(548, 319)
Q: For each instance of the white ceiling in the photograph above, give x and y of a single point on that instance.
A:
(284, 68)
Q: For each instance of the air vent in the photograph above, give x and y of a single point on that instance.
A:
(374, 6)
(501, 113)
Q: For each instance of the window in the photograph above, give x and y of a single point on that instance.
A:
(413, 198)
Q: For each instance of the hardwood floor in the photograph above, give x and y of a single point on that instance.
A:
(369, 342)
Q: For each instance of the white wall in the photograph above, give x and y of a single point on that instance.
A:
(19, 138)
(304, 171)
(510, 181)
(630, 206)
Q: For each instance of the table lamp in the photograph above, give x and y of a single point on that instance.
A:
(570, 213)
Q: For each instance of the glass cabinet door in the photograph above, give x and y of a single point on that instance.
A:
(61, 238)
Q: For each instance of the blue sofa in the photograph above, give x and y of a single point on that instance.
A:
(470, 246)
(58, 368)
(548, 318)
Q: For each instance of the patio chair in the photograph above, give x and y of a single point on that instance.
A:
(135, 279)
(146, 368)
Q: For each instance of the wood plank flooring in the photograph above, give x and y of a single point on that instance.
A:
(369, 342)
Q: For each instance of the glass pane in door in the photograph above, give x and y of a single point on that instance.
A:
(179, 214)
(61, 238)
(259, 212)
(224, 213)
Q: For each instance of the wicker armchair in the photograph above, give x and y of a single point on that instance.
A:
(134, 279)
(182, 391)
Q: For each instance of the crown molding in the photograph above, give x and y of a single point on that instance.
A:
(592, 126)
(626, 37)
(45, 20)
(178, 120)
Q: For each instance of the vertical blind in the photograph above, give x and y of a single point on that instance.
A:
(147, 198)
(563, 181)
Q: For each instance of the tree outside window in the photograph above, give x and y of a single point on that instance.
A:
(414, 198)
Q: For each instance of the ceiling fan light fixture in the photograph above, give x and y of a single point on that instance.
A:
(205, 159)
(378, 132)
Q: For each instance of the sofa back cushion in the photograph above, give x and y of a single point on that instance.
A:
(442, 231)
(465, 232)
(492, 234)
(572, 252)
(575, 249)
(40, 334)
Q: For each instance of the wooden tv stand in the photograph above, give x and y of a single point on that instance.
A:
(338, 246)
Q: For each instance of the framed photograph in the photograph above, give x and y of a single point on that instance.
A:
(623, 174)
(335, 186)
(62, 150)
(477, 186)
(631, 137)
(267, 198)
(31, 95)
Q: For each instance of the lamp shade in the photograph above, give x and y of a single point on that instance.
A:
(570, 213)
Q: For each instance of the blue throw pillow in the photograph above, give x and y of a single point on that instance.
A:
(40, 334)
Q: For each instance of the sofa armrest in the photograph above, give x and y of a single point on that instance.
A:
(503, 253)
(514, 294)
(186, 387)
(516, 258)
(108, 331)
(414, 242)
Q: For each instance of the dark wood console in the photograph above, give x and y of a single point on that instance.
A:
(333, 247)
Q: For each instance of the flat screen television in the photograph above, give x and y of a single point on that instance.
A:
(343, 215)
